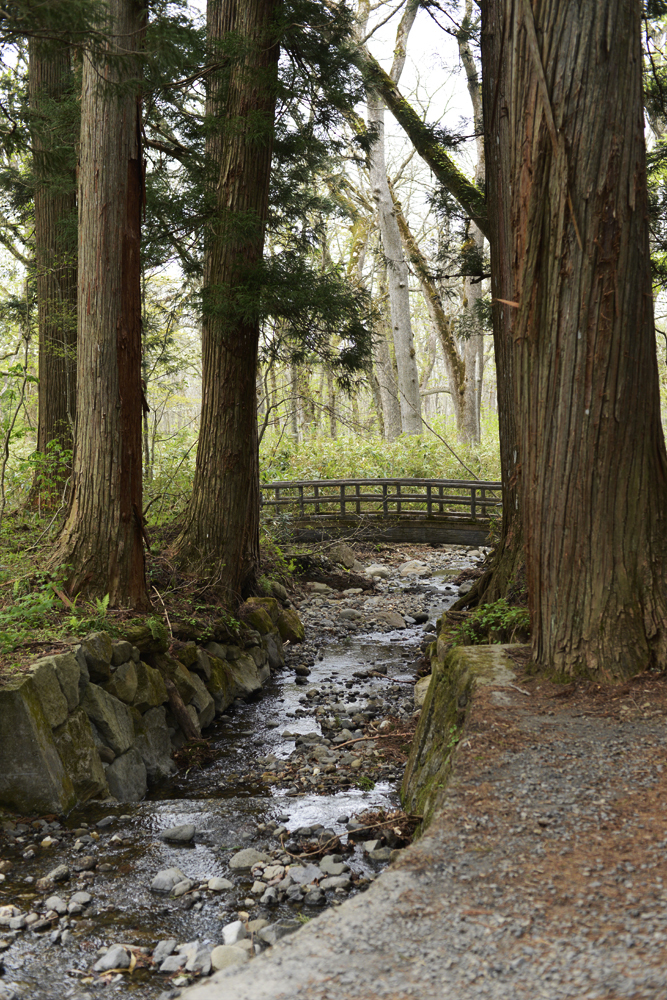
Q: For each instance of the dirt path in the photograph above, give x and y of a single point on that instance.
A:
(544, 876)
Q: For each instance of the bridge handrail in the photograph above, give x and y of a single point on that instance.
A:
(476, 495)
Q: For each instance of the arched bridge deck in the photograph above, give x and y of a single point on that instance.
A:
(444, 511)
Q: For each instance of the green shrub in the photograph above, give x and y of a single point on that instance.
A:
(497, 622)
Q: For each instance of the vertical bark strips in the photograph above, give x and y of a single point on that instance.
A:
(220, 535)
(50, 81)
(102, 538)
(589, 438)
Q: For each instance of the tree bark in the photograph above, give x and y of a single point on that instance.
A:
(50, 82)
(586, 397)
(384, 365)
(102, 539)
(220, 533)
(397, 268)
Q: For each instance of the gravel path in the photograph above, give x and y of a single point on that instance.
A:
(544, 876)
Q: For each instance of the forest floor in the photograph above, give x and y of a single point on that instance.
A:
(545, 875)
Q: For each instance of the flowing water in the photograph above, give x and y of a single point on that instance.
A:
(226, 810)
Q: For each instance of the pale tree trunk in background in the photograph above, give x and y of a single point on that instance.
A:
(473, 347)
(384, 366)
(457, 363)
(331, 396)
(102, 539)
(293, 403)
(220, 534)
(397, 268)
(50, 81)
(590, 442)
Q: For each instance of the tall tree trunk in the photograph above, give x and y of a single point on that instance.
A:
(397, 268)
(102, 539)
(220, 533)
(51, 82)
(590, 441)
(384, 366)
(473, 349)
(506, 577)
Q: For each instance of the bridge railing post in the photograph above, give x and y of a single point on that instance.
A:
(342, 499)
(428, 500)
(473, 502)
(398, 498)
(385, 504)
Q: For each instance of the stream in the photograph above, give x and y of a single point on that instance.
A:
(277, 783)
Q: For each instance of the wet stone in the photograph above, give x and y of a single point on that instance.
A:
(217, 884)
(117, 957)
(164, 949)
(244, 860)
(165, 880)
(179, 834)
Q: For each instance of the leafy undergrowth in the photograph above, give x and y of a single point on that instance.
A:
(409, 456)
(488, 623)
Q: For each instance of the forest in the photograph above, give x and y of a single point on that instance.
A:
(333, 499)
(278, 241)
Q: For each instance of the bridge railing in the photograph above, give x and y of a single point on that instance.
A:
(383, 498)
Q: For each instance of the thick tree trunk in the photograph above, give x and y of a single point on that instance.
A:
(220, 534)
(102, 539)
(51, 81)
(590, 442)
(506, 578)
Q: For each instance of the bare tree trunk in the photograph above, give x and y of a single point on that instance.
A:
(102, 539)
(220, 533)
(397, 268)
(331, 395)
(50, 81)
(590, 441)
(384, 366)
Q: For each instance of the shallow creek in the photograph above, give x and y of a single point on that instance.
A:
(229, 810)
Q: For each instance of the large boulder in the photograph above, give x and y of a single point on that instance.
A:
(148, 638)
(97, 650)
(123, 683)
(76, 747)
(203, 702)
(127, 777)
(187, 653)
(112, 718)
(221, 685)
(245, 676)
(180, 676)
(68, 673)
(151, 691)
(202, 664)
(33, 780)
(290, 626)
(343, 554)
(54, 703)
(154, 744)
(254, 614)
(274, 648)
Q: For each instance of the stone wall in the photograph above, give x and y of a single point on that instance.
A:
(454, 675)
(96, 722)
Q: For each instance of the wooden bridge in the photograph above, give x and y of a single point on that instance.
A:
(444, 511)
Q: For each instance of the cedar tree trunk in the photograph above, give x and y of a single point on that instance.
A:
(102, 539)
(50, 81)
(590, 442)
(220, 534)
